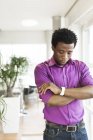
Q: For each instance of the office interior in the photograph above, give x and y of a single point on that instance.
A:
(33, 41)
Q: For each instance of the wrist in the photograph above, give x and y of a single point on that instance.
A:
(62, 91)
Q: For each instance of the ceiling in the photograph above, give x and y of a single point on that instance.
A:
(13, 12)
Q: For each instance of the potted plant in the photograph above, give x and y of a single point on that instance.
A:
(9, 73)
(8, 76)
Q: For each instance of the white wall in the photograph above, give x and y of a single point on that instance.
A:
(17, 37)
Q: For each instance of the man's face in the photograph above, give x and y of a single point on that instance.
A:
(63, 52)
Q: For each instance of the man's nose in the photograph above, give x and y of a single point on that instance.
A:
(65, 56)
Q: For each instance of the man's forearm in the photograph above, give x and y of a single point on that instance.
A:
(57, 100)
(80, 93)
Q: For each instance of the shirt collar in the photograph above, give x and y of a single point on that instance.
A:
(52, 62)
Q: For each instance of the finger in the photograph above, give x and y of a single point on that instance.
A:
(42, 87)
(43, 90)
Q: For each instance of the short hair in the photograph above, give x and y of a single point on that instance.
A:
(63, 35)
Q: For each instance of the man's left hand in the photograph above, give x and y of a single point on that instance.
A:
(49, 86)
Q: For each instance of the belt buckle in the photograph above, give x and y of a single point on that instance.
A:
(71, 128)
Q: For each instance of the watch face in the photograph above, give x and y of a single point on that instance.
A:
(63, 91)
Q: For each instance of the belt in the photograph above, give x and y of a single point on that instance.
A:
(68, 128)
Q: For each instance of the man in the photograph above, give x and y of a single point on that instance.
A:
(63, 83)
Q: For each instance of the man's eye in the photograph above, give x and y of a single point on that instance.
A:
(61, 52)
(69, 53)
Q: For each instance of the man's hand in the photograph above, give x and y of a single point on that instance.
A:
(49, 86)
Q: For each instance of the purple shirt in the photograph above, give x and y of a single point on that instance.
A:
(72, 75)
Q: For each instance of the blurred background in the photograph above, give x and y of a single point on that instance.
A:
(26, 27)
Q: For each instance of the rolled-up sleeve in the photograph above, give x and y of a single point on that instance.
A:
(41, 77)
(86, 78)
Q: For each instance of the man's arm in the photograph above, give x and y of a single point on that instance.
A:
(57, 100)
(76, 93)
(80, 93)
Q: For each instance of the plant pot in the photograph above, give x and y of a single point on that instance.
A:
(1, 131)
(12, 116)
